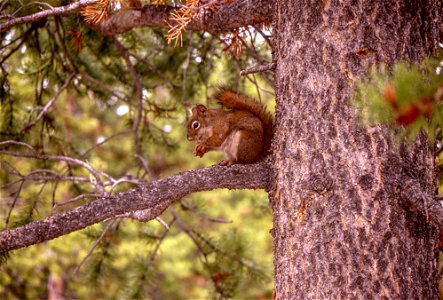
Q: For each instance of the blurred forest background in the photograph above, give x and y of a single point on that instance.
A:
(84, 114)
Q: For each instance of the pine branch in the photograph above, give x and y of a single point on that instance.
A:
(49, 104)
(70, 160)
(227, 18)
(155, 197)
(415, 199)
(138, 92)
(257, 69)
(94, 246)
(61, 10)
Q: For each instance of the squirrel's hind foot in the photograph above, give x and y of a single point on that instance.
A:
(226, 163)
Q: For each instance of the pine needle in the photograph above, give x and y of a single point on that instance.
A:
(182, 17)
(94, 13)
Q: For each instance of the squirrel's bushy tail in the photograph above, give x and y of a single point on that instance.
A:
(235, 100)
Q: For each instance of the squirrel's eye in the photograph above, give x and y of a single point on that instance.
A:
(195, 125)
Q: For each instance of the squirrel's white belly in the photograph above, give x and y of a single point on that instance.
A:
(231, 145)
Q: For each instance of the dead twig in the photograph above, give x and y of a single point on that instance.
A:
(257, 69)
(98, 182)
(61, 10)
(94, 246)
(49, 104)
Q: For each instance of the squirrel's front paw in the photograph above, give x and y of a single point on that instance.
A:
(200, 150)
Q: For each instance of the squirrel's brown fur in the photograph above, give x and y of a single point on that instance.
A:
(244, 132)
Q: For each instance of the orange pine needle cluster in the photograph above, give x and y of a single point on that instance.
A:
(96, 12)
(234, 41)
(182, 17)
(77, 39)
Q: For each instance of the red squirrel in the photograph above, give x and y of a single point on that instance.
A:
(243, 132)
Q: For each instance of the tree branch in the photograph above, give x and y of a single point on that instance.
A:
(50, 103)
(46, 13)
(154, 197)
(257, 69)
(415, 199)
(138, 91)
(98, 184)
(227, 18)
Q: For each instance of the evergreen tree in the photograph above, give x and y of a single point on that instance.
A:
(93, 105)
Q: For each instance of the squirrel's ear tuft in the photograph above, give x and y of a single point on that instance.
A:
(199, 108)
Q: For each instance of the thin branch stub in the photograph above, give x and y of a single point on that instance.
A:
(258, 69)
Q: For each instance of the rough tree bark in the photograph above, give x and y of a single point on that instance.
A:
(341, 226)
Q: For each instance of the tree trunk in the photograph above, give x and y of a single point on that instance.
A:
(340, 228)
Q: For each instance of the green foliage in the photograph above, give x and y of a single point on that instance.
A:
(67, 91)
(3, 257)
(405, 95)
